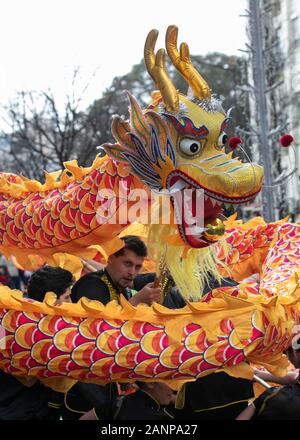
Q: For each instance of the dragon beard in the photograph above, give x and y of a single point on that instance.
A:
(189, 274)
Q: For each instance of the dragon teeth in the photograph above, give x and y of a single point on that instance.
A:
(196, 230)
(178, 186)
(213, 202)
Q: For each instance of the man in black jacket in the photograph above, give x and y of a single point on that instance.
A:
(278, 403)
(106, 285)
(118, 277)
(149, 402)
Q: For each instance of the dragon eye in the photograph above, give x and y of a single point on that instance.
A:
(190, 147)
(223, 138)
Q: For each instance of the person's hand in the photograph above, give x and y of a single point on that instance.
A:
(260, 372)
(290, 377)
(147, 295)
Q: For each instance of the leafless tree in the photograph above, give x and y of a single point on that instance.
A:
(42, 136)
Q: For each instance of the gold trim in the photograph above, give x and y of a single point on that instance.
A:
(263, 406)
(113, 292)
(180, 398)
(168, 414)
(97, 418)
(54, 405)
(70, 409)
(221, 406)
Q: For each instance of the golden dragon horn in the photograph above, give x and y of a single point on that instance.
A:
(183, 64)
(156, 67)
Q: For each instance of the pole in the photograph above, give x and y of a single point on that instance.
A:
(261, 381)
(259, 78)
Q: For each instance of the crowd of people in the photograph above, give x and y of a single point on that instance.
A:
(12, 276)
(217, 396)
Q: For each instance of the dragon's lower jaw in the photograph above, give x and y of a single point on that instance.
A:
(199, 211)
(208, 230)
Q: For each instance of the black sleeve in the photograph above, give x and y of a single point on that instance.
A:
(174, 300)
(108, 411)
(10, 389)
(97, 395)
(92, 288)
(260, 402)
(212, 284)
(142, 279)
(21, 402)
(217, 390)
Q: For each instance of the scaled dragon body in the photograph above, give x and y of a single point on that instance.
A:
(228, 329)
(176, 144)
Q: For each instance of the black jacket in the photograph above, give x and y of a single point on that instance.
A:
(137, 406)
(19, 402)
(97, 286)
(217, 396)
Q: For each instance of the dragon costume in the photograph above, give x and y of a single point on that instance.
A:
(176, 144)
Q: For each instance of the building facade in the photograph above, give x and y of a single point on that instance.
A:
(279, 87)
(287, 25)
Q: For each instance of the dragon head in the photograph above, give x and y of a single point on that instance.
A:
(178, 143)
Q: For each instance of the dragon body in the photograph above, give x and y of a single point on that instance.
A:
(177, 144)
(227, 329)
(59, 217)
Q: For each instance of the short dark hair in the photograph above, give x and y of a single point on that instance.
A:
(134, 244)
(48, 279)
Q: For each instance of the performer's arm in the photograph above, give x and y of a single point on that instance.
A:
(290, 378)
(247, 414)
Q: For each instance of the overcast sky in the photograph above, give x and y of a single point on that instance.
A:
(42, 40)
